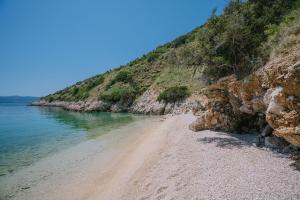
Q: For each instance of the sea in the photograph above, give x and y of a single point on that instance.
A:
(28, 133)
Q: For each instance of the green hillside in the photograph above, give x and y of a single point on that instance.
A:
(236, 42)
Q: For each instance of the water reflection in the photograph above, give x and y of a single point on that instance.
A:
(28, 134)
(95, 124)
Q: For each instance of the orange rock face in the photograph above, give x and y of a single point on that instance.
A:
(273, 91)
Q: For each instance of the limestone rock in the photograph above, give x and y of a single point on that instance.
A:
(147, 103)
(272, 91)
(87, 106)
(97, 106)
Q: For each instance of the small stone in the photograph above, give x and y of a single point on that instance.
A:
(267, 131)
(25, 187)
(295, 157)
(260, 141)
(296, 165)
(291, 98)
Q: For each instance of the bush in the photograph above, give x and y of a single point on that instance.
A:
(82, 95)
(282, 35)
(50, 99)
(174, 94)
(95, 82)
(237, 35)
(75, 90)
(123, 95)
(123, 76)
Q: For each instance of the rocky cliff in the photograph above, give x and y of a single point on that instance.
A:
(267, 101)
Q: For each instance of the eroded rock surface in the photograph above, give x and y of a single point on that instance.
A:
(270, 95)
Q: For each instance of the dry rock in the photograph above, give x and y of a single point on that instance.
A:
(272, 91)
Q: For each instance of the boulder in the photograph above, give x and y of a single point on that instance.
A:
(267, 131)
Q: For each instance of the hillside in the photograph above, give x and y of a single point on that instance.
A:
(169, 65)
(239, 72)
(238, 41)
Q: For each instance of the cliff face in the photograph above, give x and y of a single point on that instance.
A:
(268, 99)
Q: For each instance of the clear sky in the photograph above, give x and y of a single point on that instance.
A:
(46, 45)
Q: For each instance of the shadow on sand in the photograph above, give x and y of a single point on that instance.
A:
(238, 141)
(234, 141)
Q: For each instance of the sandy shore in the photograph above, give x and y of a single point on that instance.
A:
(175, 163)
(168, 161)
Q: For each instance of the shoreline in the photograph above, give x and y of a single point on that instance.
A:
(163, 159)
(60, 175)
(181, 164)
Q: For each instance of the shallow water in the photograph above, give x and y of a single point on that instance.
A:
(28, 134)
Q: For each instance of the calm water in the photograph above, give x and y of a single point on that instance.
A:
(28, 134)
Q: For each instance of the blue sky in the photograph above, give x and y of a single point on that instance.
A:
(46, 45)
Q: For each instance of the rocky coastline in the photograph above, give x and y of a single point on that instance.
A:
(145, 104)
(267, 102)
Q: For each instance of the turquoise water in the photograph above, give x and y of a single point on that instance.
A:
(28, 134)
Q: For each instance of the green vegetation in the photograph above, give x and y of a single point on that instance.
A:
(77, 92)
(174, 94)
(122, 95)
(231, 43)
(178, 75)
(280, 36)
(121, 77)
(239, 41)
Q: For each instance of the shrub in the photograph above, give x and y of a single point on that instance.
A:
(75, 90)
(123, 76)
(49, 98)
(282, 35)
(174, 94)
(237, 35)
(80, 95)
(96, 81)
(123, 95)
(155, 55)
(179, 41)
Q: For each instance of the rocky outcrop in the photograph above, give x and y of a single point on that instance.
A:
(268, 99)
(148, 104)
(87, 106)
(145, 104)
(84, 106)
